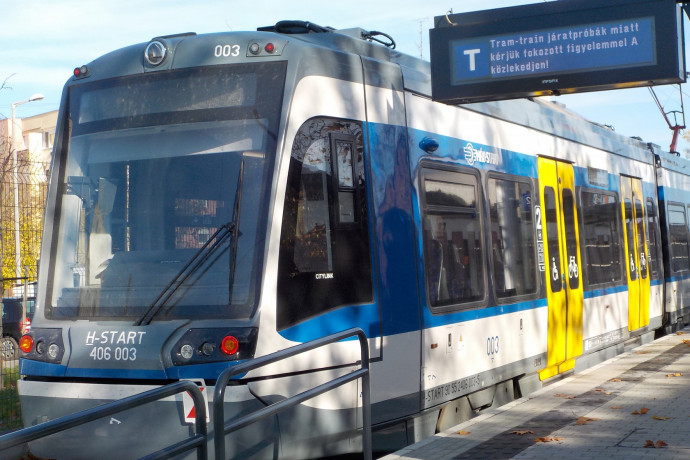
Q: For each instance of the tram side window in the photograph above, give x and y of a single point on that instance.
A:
(678, 244)
(639, 217)
(652, 238)
(601, 242)
(512, 237)
(453, 255)
(324, 260)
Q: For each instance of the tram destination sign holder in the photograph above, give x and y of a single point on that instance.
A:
(555, 48)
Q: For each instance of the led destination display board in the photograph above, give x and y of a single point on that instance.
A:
(556, 48)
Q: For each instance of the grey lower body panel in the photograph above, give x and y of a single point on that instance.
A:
(302, 432)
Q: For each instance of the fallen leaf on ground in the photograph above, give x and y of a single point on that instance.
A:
(656, 417)
(616, 407)
(642, 411)
(656, 445)
(641, 352)
(615, 380)
(521, 432)
(601, 390)
(680, 333)
(677, 374)
(464, 432)
(549, 439)
(585, 420)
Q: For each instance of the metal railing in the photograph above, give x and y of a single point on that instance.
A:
(199, 441)
(221, 429)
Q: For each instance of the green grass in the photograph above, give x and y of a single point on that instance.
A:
(10, 411)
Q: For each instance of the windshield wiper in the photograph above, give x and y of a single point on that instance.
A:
(236, 220)
(198, 259)
(220, 236)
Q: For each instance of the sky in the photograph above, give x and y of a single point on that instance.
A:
(42, 41)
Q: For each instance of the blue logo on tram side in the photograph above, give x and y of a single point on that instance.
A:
(474, 155)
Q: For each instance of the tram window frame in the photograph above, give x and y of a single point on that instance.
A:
(527, 239)
(684, 244)
(553, 238)
(629, 225)
(323, 263)
(593, 278)
(464, 177)
(653, 238)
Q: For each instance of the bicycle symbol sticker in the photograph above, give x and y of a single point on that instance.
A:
(573, 270)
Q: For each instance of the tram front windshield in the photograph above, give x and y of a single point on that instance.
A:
(156, 165)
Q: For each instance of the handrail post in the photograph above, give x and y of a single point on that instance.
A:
(219, 426)
(367, 444)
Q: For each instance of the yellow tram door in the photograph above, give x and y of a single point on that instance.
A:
(636, 251)
(563, 265)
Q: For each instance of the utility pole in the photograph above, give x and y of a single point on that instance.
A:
(15, 178)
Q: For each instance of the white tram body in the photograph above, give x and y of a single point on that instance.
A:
(482, 249)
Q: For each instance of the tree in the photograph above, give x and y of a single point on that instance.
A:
(31, 186)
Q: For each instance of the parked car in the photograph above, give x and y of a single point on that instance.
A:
(12, 326)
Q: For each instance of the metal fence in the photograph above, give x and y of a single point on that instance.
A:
(22, 203)
(10, 412)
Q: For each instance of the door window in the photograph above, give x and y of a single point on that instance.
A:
(552, 237)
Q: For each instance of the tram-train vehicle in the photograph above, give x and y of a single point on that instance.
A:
(309, 184)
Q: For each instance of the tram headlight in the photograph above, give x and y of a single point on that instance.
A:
(81, 72)
(214, 344)
(187, 351)
(207, 348)
(43, 344)
(254, 48)
(53, 351)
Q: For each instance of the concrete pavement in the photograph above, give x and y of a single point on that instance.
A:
(633, 406)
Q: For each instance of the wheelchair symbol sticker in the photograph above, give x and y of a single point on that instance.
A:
(632, 263)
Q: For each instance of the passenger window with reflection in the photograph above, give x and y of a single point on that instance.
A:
(652, 238)
(678, 238)
(452, 239)
(512, 237)
(600, 239)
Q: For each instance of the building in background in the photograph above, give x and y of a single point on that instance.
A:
(24, 190)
